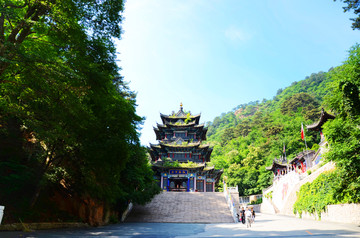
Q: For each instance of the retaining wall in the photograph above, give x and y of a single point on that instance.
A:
(344, 213)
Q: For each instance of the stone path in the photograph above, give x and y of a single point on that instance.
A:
(265, 226)
(183, 207)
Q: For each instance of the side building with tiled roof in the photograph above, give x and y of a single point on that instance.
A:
(180, 158)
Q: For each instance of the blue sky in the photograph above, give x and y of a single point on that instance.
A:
(213, 55)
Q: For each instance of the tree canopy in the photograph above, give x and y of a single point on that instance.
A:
(355, 6)
(68, 119)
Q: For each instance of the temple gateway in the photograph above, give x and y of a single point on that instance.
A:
(180, 160)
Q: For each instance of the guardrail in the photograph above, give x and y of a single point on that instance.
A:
(230, 202)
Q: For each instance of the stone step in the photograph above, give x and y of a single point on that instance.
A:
(183, 207)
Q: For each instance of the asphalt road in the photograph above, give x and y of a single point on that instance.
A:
(264, 226)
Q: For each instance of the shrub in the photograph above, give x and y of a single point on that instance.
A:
(314, 197)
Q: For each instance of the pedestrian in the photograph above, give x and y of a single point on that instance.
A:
(248, 217)
(242, 215)
(252, 215)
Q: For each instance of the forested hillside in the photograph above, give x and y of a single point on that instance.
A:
(249, 137)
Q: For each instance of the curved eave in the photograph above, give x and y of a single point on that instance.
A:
(201, 166)
(301, 156)
(203, 136)
(209, 168)
(324, 116)
(201, 127)
(157, 133)
(165, 118)
(297, 158)
(154, 146)
(204, 146)
(208, 154)
(218, 175)
(191, 124)
(273, 166)
(152, 153)
(162, 126)
(193, 145)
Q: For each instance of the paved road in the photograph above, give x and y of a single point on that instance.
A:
(264, 226)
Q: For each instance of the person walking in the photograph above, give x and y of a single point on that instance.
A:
(242, 215)
(252, 215)
(248, 216)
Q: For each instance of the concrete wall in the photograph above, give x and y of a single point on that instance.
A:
(267, 206)
(344, 213)
(287, 208)
(284, 196)
(282, 188)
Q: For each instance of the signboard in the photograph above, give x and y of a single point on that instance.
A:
(178, 171)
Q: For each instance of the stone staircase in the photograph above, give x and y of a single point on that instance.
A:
(183, 207)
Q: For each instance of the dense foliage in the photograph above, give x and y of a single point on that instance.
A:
(343, 135)
(314, 197)
(248, 138)
(67, 118)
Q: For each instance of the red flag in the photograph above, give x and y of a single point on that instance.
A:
(302, 132)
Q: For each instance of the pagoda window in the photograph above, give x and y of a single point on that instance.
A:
(180, 134)
(180, 156)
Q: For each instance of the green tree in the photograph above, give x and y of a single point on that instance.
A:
(355, 6)
(65, 109)
(343, 132)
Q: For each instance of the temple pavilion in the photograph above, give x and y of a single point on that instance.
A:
(180, 158)
(307, 158)
(317, 126)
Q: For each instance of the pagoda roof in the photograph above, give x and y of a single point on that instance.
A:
(324, 116)
(177, 124)
(201, 166)
(175, 144)
(179, 115)
(165, 118)
(301, 156)
(275, 164)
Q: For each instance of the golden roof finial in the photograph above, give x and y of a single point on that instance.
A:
(181, 105)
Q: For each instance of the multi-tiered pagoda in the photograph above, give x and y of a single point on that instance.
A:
(180, 158)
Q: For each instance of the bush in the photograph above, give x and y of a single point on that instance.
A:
(314, 197)
(259, 201)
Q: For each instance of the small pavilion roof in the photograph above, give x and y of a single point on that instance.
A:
(301, 156)
(276, 164)
(324, 116)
